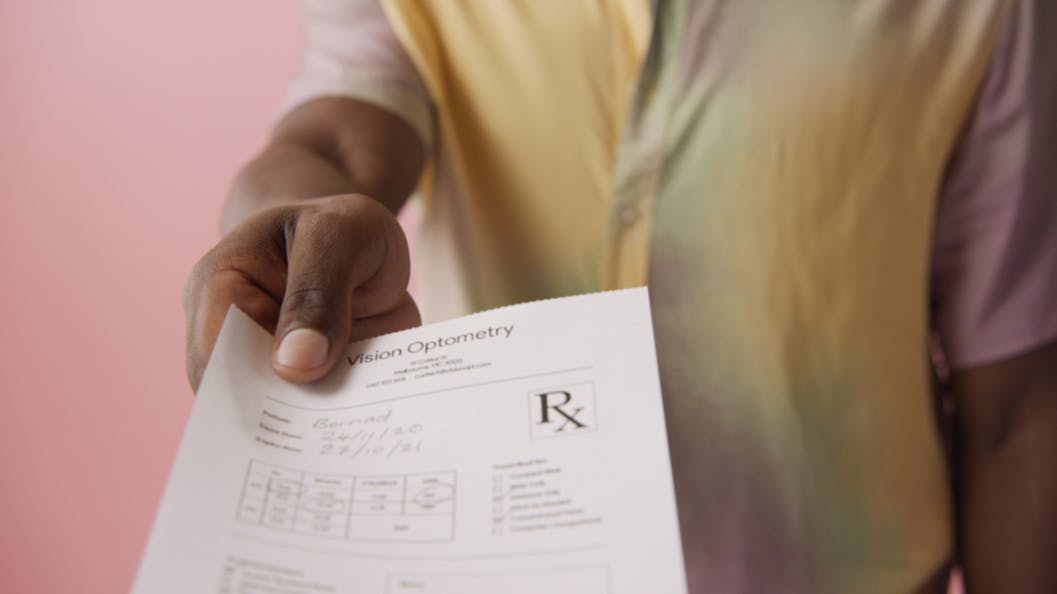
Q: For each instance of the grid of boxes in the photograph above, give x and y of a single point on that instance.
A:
(396, 507)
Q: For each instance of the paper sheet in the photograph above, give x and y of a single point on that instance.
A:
(519, 450)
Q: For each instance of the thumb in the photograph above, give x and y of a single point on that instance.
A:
(335, 253)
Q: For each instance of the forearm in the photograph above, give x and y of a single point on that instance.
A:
(328, 147)
(1007, 475)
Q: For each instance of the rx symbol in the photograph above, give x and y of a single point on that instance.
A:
(559, 411)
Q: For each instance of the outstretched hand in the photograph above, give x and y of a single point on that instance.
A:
(317, 274)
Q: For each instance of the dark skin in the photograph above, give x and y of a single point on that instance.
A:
(313, 252)
(312, 242)
(1007, 473)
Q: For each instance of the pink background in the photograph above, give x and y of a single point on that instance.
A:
(122, 123)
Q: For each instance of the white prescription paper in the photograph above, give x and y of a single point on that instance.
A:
(519, 450)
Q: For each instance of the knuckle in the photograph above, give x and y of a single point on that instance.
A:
(197, 279)
(349, 211)
(187, 295)
(310, 301)
(345, 203)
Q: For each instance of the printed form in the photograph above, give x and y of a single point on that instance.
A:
(518, 450)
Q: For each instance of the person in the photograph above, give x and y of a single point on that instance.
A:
(793, 181)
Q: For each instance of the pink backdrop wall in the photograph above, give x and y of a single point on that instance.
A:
(121, 123)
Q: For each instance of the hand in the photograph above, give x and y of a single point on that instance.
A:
(317, 274)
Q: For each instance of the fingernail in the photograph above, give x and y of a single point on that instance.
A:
(302, 348)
